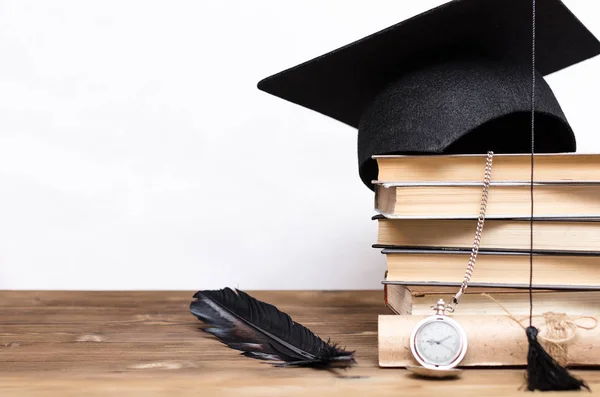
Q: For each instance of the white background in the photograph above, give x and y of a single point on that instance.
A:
(137, 153)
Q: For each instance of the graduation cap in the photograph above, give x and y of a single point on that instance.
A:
(453, 80)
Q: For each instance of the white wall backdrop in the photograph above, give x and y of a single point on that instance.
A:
(137, 153)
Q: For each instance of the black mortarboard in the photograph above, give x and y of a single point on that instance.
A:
(455, 79)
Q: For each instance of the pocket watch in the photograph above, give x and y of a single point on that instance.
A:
(438, 342)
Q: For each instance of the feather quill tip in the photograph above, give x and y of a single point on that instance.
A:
(263, 332)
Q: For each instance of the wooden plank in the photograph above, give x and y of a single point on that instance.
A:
(147, 343)
(287, 382)
(154, 299)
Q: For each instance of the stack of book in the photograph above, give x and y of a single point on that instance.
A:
(427, 217)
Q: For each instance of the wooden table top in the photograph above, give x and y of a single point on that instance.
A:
(147, 343)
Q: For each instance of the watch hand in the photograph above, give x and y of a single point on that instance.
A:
(447, 347)
(438, 342)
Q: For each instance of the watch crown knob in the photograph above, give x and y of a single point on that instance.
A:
(440, 307)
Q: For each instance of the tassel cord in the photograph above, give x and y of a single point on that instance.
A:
(532, 165)
(544, 373)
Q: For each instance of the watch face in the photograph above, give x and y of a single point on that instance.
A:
(439, 342)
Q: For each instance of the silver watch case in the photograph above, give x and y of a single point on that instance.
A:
(455, 325)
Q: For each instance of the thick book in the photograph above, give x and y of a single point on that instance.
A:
(564, 167)
(505, 200)
(501, 234)
(568, 270)
(405, 300)
(431, 287)
(493, 341)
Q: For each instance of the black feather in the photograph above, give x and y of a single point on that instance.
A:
(263, 332)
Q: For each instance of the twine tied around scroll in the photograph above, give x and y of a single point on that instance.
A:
(559, 330)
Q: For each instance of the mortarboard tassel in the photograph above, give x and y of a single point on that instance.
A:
(544, 373)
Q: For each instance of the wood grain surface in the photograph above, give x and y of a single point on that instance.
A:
(148, 344)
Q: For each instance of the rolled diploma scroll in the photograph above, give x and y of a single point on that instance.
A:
(491, 341)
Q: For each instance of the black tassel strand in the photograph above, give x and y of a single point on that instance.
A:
(263, 332)
(544, 373)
